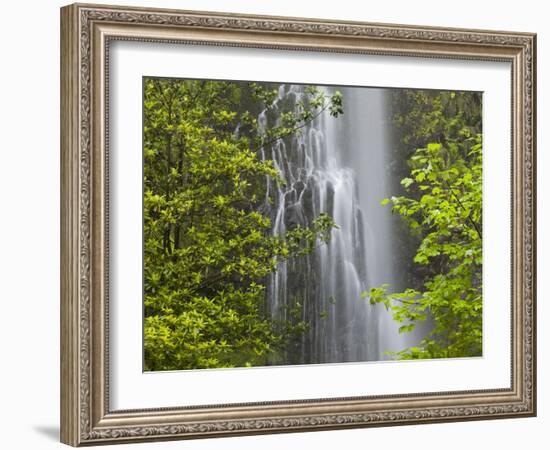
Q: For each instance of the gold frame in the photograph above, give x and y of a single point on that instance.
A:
(86, 31)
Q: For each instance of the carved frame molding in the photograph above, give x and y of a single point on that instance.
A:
(86, 31)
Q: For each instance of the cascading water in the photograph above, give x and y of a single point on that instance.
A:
(336, 166)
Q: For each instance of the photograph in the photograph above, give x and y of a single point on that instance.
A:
(279, 224)
(291, 224)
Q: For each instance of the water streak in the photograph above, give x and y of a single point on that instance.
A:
(336, 166)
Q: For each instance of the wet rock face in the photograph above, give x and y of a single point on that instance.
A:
(298, 187)
(324, 287)
(294, 216)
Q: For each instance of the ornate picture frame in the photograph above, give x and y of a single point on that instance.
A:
(87, 32)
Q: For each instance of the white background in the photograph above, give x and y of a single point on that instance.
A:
(29, 230)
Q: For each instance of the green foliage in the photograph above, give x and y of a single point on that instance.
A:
(207, 247)
(442, 208)
(424, 116)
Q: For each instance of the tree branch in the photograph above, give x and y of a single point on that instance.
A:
(474, 224)
(292, 131)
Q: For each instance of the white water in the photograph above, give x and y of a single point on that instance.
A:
(337, 166)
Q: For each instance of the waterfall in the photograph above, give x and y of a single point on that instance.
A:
(337, 166)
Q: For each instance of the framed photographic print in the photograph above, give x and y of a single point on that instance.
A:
(275, 224)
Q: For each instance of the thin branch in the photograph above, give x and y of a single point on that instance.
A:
(474, 224)
(405, 302)
(293, 130)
